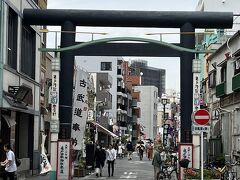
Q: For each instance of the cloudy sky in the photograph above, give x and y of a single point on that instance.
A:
(170, 64)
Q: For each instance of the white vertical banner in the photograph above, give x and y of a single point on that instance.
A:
(196, 91)
(80, 108)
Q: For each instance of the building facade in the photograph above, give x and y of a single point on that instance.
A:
(148, 106)
(224, 99)
(150, 76)
(20, 100)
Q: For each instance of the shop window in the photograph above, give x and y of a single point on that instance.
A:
(212, 79)
(12, 38)
(28, 51)
(224, 74)
(237, 66)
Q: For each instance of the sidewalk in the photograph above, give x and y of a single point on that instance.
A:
(46, 177)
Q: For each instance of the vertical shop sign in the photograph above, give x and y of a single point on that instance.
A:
(196, 91)
(55, 95)
(185, 152)
(80, 108)
(64, 164)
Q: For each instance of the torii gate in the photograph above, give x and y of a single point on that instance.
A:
(186, 21)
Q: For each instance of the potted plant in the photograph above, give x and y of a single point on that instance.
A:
(80, 170)
(207, 174)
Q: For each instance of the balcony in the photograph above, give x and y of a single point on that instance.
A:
(136, 95)
(137, 112)
(236, 82)
(134, 119)
(105, 96)
(221, 90)
(134, 103)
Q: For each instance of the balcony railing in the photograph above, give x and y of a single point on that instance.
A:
(236, 82)
(221, 90)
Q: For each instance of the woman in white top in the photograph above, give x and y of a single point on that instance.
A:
(9, 163)
(111, 156)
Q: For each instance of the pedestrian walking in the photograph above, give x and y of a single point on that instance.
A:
(129, 150)
(157, 163)
(120, 151)
(111, 157)
(9, 163)
(100, 157)
(140, 151)
(150, 151)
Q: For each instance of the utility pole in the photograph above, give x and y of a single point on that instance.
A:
(54, 123)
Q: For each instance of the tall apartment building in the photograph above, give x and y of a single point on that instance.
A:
(133, 111)
(108, 65)
(148, 105)
(150, 76)
(20, 84)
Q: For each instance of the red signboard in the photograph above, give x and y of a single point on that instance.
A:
(201, 117)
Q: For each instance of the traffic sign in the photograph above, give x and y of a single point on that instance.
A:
(201, 117)
(198, 129)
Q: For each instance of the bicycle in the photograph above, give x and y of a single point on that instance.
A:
(167, 172)
(226, 172)
(169, 168)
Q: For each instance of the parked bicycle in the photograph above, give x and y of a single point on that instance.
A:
(169, 168)
(227, 172)
(168, 172)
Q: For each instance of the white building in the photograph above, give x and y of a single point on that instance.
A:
(148, 105)
(224, 100)
(103, 64)
(20, 84)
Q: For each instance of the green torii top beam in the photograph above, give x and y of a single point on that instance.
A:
(105, 40)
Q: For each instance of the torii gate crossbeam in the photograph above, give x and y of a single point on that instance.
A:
(186, 21)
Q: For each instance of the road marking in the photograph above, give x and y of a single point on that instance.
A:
(129, 175)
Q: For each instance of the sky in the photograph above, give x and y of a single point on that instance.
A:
(172, 65)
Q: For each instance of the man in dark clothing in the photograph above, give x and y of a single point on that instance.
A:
(129, 150)
(100, 157)
(140, 151)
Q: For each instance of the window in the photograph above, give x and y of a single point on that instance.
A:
(223, 73)
(12, 38)
(212, 79)
(106, 66)
(237, 66)
(28, 51)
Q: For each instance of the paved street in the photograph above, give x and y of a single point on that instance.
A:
(124, 169)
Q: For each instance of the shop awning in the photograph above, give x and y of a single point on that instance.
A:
(103, 129)
(9, 120)
(11, 104)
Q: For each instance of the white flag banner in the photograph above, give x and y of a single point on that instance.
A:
(80, 108)
(45, 165)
